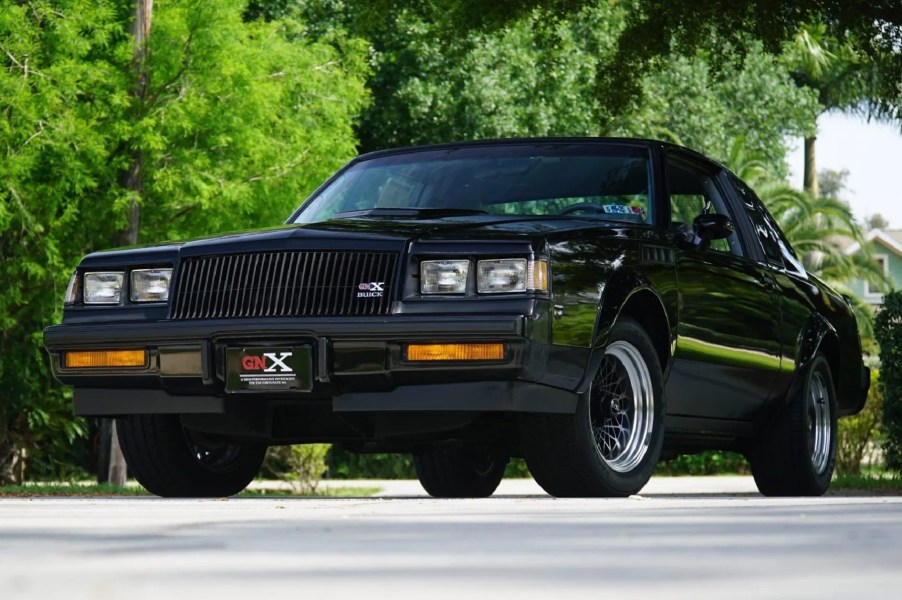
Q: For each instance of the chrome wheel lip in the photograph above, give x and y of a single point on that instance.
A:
(639, 410)
(820, 429)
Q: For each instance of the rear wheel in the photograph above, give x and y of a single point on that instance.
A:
(172, 461)
(796, 455)
(459, 471)
(610, 445)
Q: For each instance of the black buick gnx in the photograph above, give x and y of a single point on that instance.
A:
(592, 305)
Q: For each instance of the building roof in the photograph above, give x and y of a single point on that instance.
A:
(891, 238)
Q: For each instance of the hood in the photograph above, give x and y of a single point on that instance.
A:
(372, 233)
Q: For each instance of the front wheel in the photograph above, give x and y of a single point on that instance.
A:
(459, 471)
(796, 455)
(610, 445)
(172, 461)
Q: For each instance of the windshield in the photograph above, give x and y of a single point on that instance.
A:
(601, 181)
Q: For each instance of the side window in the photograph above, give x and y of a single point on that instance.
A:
(692, 193)
(776, 248)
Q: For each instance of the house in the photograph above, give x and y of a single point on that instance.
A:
(886, 246)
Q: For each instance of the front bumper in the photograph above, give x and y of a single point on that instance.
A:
(357, 364)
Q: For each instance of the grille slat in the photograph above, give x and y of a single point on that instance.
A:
(283, 284)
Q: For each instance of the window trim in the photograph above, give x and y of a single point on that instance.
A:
(877, 295)
(717, 175)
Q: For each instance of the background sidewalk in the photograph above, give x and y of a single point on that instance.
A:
(658, 486)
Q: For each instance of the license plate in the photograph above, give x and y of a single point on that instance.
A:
(267, 369)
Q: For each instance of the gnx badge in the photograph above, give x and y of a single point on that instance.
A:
(268, 369)
(268, 363)
(373, 289)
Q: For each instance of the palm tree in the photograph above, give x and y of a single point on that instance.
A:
(842, 78)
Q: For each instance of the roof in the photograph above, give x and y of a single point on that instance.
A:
(623, 141)
(891, 238)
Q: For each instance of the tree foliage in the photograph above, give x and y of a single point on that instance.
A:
(241, 120)
(753, 101)
(655, 29)
(530, 79)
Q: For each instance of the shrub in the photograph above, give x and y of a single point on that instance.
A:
(349, 465)
(888, 331)
(344, 464)
(302, 465)
(710, 462)
(857, 434)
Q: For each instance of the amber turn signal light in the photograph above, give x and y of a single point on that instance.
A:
(455, 352)
(93, 359)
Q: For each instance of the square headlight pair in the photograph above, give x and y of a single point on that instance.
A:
(105, 287)
(495, 276)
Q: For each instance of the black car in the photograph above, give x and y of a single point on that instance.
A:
(591, 305)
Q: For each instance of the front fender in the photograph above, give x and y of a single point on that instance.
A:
(623, 287)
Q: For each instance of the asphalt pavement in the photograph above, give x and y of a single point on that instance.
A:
(710, 537)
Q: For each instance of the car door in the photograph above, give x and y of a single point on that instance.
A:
(727, 352)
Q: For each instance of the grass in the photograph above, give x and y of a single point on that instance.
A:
(51, 490)
(42, 490)
(331, 492)
(881, 484)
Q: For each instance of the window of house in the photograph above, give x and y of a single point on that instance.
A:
(871, 289)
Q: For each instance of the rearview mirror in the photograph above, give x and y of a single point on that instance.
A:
(713, 227)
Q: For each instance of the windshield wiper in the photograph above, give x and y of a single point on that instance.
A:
(411, 213)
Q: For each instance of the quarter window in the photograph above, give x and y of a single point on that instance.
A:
(777, 248)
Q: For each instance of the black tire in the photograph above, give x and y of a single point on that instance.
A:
(789, 458)
(459, 471)
(561, 450)
(174, 462)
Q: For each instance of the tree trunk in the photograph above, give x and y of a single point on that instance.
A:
(809, 183)
(131, 180)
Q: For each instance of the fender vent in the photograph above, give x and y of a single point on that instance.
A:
(657, 254)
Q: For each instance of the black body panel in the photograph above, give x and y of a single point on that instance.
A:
(733, 334)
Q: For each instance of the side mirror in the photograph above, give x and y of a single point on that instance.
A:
(713, 227)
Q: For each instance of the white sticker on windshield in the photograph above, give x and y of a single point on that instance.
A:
(620, 209)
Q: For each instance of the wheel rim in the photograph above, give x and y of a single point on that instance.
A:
(212, 454)
(621, 407)
(818, 422)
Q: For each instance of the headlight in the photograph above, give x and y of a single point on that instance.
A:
(502, 275)
(444, 276)
(512, 275)
(103, 288)
(150, 285)
(72, 290)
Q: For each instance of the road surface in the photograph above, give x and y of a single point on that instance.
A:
(711, 538)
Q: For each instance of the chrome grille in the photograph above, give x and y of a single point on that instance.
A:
(283, 284)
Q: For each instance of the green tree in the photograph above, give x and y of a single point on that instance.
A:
(654, 30)
(530, 79)
(876, 221)
(752, 99)
(843, 79)
(831, 183)
(537, 76)
(239, 122)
